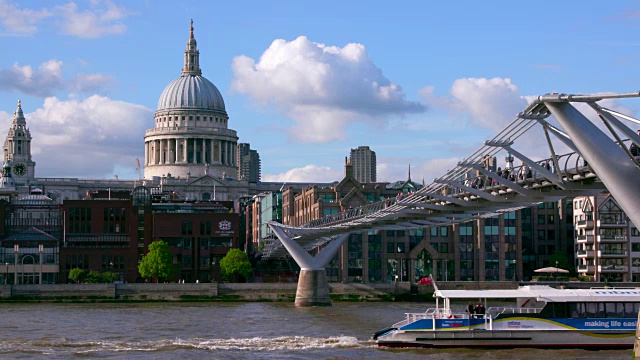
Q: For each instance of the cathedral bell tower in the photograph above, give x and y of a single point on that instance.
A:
(17, 149)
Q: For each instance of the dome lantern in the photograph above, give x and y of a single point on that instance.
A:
(191, 56)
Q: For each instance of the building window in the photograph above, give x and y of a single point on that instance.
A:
(444, 231)
(551, 234)
(205, 227)
(400, 247)
(434, 231)
(444, 248)
(375, 258)
(541, 234)
(79, 220)
(391, 247)
(187, 227)
(551, 219)
(540, 219)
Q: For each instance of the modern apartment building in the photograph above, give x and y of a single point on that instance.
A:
(364, 165)
(248, 163)
(607, 243)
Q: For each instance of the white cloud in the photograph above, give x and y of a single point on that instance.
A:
(85, 138)
(322, 88)
(99, 19)
(48, 78)
(16, 21)
(103, 18)
(491, 103)
(308, 173)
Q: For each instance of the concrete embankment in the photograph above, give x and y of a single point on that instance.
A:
(194, 292)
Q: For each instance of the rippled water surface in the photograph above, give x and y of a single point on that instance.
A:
(225, 331)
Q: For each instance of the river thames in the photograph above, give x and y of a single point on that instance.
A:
(225, 331)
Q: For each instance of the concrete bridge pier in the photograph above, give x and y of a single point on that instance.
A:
(313, 287)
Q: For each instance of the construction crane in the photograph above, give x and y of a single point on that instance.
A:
(139, 170)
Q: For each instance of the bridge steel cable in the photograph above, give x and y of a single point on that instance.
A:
(597, 161)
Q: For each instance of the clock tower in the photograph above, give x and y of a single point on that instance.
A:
(17, 149)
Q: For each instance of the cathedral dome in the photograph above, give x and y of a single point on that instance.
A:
(191, 92)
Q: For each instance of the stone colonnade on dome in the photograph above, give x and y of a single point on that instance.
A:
(184, 150)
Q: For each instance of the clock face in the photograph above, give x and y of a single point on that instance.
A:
(19, 169)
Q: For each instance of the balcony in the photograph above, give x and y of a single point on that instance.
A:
(611, 222)
(587, 224)
(613, 239)
(585, 253)
(586, 269)
(612, 268)
(611, 254)
(584, 239)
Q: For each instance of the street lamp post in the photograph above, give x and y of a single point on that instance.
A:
(6, 273)
(557, 269)
(515, 270)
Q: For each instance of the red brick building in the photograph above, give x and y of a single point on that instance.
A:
(198, 234)
(112, 232)
(99, 235)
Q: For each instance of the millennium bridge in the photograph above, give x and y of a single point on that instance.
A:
(567, 146)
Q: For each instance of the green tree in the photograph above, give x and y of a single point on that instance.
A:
(77, 275)
(93, 277)
(234, 264)
(157, 263)
(108, 277)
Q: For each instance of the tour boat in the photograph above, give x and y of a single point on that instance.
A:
(541, 317)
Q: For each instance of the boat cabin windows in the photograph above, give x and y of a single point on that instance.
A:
(591, 310)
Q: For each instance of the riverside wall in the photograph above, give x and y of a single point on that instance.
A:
(253, 291)
(194, 292)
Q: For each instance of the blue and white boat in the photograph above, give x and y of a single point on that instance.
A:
(541, 317)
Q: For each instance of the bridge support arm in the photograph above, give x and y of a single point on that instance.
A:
(618, 173)
(297, 252)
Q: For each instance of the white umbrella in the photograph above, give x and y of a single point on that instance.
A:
(551, 269)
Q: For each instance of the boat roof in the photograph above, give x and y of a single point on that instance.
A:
(547, 293)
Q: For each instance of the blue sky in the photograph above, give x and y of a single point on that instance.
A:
(419, 82)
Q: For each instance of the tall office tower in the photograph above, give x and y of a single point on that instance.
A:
(363, 161)
(249, 163)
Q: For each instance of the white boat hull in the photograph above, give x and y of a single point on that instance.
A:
(606, 339)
